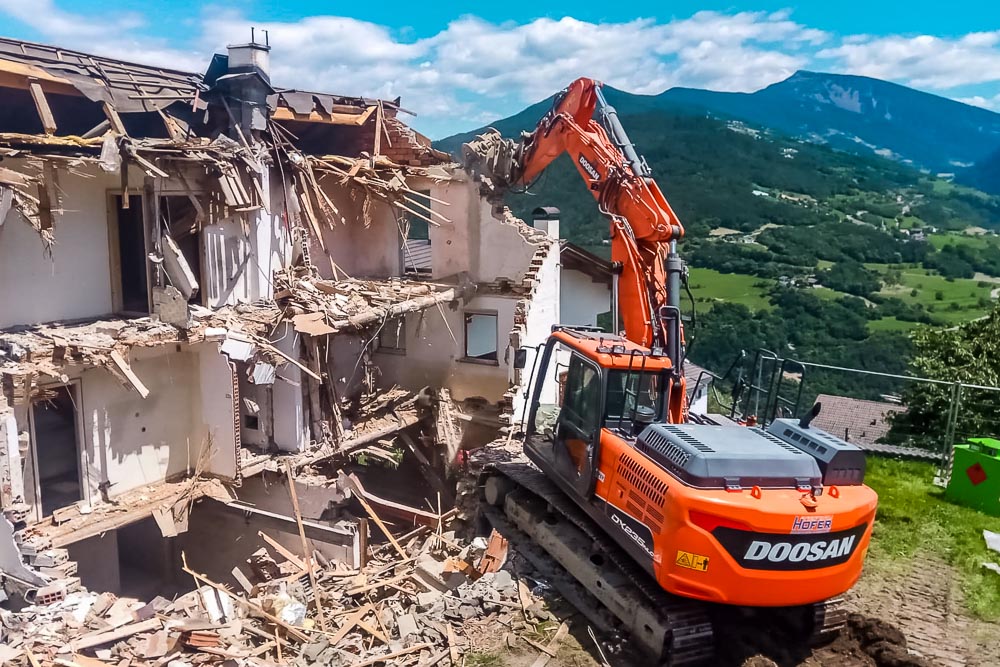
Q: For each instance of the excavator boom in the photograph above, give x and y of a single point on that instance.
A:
(644, 228)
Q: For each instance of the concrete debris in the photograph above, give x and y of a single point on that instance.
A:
(321, 307)
(410, 609)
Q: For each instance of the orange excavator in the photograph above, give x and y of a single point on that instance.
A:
(669, 520)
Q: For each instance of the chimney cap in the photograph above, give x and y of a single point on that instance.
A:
(545, 213)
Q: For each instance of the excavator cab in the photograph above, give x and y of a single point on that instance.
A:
(586, 381)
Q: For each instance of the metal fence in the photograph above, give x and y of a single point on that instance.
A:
(881, 412)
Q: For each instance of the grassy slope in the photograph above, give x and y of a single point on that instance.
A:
(965, 293)
(729, 287)
(914, 517)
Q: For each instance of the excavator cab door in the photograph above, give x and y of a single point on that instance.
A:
(578, 428)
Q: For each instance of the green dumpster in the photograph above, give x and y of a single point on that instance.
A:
(975, 477)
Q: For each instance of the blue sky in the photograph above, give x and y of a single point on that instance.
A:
(460, 65)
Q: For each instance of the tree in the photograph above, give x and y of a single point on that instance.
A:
(969, 353)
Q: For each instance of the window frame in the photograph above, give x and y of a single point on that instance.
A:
(381, 347)
(465, 337)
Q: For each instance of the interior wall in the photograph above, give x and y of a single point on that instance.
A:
(217, 410)
(131, 441)
(75, 282)
(373, 251)
(435, 347)
(453, 244)
(97, 562)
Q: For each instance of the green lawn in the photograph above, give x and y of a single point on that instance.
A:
(891, 324)
(729, 287)
(913, 516)
(965, 293)
(958, 239)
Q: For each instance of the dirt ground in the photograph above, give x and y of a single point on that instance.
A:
(912, 617)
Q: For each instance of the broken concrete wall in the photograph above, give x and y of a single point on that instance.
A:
(233, 536)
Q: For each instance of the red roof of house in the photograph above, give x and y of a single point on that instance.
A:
(856, 420)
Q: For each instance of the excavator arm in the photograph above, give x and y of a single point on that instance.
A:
(644, 228)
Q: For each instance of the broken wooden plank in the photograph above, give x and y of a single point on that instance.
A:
(271, 348)
(395, 654)
(290, 629)
(288, 555)
(349, 623)
(116, 635)
(553, 644)
(116, 123)
(126, 370)
(42, 105)
(399, 510)
(306, 552)
(371, 512)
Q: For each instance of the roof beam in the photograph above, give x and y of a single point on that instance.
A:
(42, 105)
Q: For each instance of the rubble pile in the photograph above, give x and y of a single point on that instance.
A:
(425, 598)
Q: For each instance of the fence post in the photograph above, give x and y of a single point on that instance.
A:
(948, 448)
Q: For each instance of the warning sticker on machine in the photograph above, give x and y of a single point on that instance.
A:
(692, 561)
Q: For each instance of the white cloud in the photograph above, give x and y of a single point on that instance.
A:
(923, 61)
(991, 103)
(473, 70)
(46, 18)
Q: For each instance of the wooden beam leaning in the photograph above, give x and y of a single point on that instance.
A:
(306, 551)
(42, 105)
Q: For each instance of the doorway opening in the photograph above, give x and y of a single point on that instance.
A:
(56, 448)
(132, 280)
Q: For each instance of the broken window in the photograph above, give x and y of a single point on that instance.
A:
(129, 249)
(481, 337)
(392, 336)
(56, 449)
(417, 244)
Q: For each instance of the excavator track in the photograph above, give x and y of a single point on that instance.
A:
(689, 639)
(690, 628)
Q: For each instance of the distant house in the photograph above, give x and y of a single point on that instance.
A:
(856, 420)
(698, 383)
(585, 285)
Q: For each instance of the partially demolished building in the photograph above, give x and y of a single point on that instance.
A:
(212, 287)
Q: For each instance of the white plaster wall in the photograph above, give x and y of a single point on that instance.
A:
(582, 299)
(434, 358)
(216, 410)
(75, 282)
(503, 251)
(543, 312)
(453, 247)
(291, 433)
(132, 441)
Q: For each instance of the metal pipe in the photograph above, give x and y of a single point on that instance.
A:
(613, 126)
(615, 314)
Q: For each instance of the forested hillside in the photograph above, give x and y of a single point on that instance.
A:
(812, 252)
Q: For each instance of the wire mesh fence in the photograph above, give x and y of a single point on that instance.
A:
(880, 412)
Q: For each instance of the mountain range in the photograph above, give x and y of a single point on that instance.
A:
(848, 113)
